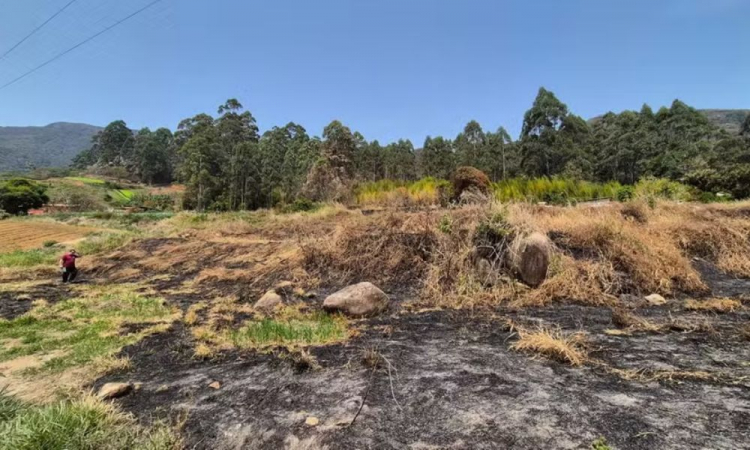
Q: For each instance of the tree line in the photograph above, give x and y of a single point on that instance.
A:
(226, 164)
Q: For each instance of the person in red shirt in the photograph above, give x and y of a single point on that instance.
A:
(68, 266)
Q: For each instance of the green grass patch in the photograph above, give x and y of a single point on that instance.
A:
(82, 330)
(75, 425)
(86, 180)
(295, 329)
(30, 258)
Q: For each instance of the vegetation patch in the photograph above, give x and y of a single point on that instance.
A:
(718, 305)
(85, 331)
(552, 344)
(291, 330)
(75, 425)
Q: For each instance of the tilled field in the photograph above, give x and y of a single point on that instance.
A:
(22, 235)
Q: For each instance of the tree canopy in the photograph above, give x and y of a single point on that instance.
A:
(227, 164)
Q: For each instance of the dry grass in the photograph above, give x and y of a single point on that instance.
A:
(191, 315)
(650, 375)
(384, 248)
(552, 344)
(717, 305)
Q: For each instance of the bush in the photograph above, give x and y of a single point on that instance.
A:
(160, 202)
(48, 244)
(300, 205)
(469, 179)
(18, 195)
(625, 193)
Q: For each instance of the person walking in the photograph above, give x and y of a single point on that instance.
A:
(68, 266)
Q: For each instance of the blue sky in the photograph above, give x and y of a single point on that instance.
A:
(387, 68)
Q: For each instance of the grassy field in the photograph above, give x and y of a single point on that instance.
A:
(87, 180)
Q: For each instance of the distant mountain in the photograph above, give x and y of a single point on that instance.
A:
(729, 119)
(53, 145)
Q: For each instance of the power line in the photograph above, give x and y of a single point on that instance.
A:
(91, 38)
(33, 32)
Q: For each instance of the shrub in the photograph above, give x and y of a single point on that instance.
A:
(161, 202)
(469, 179)
(49, 244)
(300, 205)
(18, 195)
(625, 193)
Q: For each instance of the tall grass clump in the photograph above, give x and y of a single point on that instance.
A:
(296, 328)
(660, 188)
(553, 190)
(75, 425)
(400, 193)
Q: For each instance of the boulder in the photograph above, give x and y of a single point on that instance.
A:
(114, 390)
(656, 299)
(362, 299)
(269, 302)
(528, 258)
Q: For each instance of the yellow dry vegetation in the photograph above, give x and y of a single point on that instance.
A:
(718, 305)
(552, 344)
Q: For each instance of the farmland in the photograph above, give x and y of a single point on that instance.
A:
(23, 235)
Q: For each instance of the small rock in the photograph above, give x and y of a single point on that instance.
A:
(616, 333)
(268, 302)
(362, 299)
(656, 299)
(114, 390)
(215, 385)
(312, 421)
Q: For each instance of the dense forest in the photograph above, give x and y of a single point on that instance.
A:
(227, 164)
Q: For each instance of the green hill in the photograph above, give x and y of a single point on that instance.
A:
(53, 145)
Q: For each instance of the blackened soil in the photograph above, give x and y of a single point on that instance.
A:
(16, 303)
(721, 284)
(448, 380)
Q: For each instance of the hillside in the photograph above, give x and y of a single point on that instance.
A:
(729, 119)
(53, 145)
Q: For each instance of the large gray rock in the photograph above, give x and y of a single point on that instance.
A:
(362, 299)
(268, 302)
(529, 258)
